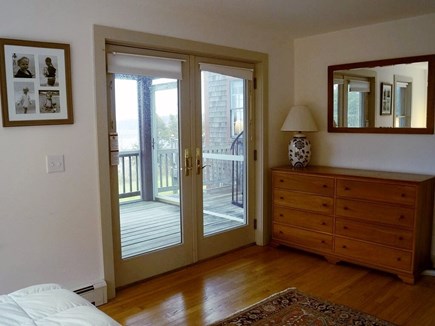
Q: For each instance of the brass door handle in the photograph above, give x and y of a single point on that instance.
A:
(187, 162)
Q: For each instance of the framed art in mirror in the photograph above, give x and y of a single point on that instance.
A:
(386, 99)
(35, 82)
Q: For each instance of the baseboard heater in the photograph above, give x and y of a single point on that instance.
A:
(95, 293)
(429, 272)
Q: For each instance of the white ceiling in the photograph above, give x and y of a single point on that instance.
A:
(299, 18)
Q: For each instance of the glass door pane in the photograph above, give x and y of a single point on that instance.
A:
(149, 196)
(223, 107)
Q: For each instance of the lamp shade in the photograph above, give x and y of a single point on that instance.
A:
(299, 118)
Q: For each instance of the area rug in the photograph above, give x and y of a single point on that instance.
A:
(291, 307)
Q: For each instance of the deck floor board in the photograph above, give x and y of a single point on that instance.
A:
(151, 225)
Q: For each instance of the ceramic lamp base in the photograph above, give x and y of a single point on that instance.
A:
(299, 151)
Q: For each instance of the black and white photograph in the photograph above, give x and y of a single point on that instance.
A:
(48, 66)
(24, 98)
(23, 65)
(49, 101)
(36, 79)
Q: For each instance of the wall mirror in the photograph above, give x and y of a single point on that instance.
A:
(384, 96)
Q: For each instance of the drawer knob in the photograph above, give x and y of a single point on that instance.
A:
(401, 217)
(402, 195)
(281, 198)
(399, 259)
(345, 227)
(401, 238)
(281, 180)
(323, 241)
(325, 205)
(343, 246)
(323, 223)
(346, 208)
(346, 188)
(325, 186)
(281, 215)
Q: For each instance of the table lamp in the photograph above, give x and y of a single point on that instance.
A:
(299, 119)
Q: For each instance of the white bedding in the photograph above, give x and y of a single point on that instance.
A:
(47, 305)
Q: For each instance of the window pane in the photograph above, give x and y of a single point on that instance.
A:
(223, 152)
(149, 196)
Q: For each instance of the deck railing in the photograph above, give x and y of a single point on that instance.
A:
(217, 174)
(128, 174)
(237, 170)
(167, 170)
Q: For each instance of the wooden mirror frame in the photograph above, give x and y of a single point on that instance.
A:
(430, 109)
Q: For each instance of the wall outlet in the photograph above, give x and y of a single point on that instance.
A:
(55, 163)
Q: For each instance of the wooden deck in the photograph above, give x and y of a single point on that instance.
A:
(152, 225)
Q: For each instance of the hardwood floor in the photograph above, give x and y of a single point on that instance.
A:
(213, 289)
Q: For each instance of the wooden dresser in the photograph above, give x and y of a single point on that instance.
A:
(377, 219)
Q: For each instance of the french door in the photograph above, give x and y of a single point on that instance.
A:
(179, 174)
(225, 174)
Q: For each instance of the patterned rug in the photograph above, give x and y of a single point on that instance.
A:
(291, 307)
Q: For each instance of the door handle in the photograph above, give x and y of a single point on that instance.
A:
(199, 165)
(187, 162)
(198, 161)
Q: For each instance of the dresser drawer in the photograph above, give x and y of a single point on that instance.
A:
(387, 214)
(373, 254)
(302, 219)
(384, 235)
(383, 192)
(313, 184)
(302, 238)
(304, 201)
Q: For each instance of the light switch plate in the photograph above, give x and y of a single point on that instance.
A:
(55, 163)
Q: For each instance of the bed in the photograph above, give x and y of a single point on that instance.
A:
(49, 304)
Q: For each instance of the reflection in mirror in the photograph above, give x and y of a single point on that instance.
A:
(403, 103)
(386, 96)
(354, 98)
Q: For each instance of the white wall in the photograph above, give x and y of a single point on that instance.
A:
(313, 55)
(50, 224)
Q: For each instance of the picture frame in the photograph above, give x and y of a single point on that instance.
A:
(35, 83)
(386, 98)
